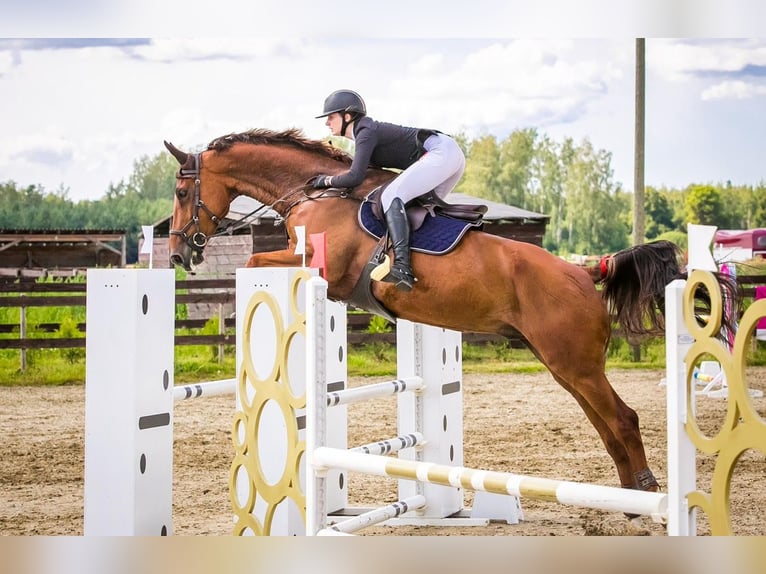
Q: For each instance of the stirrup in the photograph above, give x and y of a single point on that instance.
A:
(382, 269)
(385, 273)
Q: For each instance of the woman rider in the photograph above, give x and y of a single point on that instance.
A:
(430, 160)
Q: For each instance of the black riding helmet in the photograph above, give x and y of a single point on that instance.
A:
(344, 101)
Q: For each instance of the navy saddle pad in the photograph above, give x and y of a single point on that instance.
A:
(438, 235)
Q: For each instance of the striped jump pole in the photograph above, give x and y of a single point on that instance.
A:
(653, 504)
(207, 389)
(375, 516)
(392, 445)
(373, 391)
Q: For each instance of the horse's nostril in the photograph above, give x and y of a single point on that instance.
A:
(176, 259)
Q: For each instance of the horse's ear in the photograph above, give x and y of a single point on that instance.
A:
(177, 153)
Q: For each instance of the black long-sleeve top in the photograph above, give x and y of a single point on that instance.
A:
(380, 144)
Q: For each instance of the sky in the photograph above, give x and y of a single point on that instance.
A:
(82, 102)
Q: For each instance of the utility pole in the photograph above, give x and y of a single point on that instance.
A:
(639, 216)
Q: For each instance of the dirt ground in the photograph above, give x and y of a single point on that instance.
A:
(524, 424)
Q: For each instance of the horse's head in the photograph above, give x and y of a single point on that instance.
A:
(197, 211)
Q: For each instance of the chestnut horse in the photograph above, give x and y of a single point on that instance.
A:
(487, 284)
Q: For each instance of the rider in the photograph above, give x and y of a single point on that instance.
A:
(430, 160)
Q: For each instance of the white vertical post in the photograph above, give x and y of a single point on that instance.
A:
(682, 470)
(129, 402)
(435, 354)
(326, 371)
(336, 379)
(316, 404)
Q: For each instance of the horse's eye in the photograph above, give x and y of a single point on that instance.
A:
(181, 193)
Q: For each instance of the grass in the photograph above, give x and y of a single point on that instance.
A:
(200, 363)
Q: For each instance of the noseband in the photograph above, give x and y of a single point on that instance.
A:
(198, 239)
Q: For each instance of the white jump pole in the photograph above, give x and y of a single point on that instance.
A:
(129, 402)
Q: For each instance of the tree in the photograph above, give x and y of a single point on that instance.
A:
(659, 214)
(515, 156)
(595, 220)
(154, 177)
(759, 206)
(482, 170)
(704, 206)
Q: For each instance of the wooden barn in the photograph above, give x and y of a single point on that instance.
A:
(59, 253)
(264, 231)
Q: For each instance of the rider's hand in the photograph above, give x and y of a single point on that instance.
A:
(322, 181)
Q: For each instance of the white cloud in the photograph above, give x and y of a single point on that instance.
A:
(174, 50)
(512, 83)
(6, 62)
(41, 150)
(113, 103)
(677, 60)
(733, 90)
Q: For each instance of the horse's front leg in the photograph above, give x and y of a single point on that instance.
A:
(283, 258)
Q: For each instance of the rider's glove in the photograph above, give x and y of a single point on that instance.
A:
(322, 181)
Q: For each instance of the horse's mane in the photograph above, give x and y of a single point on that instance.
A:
(293, 137)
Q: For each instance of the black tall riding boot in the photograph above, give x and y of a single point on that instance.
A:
(400, 272)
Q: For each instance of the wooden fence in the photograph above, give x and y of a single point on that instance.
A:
(199, 291)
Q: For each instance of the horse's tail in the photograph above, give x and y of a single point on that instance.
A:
(634, 282)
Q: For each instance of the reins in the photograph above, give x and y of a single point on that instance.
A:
(311, 194)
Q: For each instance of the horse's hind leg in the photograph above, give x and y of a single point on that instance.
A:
(581, 372)
(617, 425)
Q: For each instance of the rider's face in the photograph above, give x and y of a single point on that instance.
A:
(335, 123)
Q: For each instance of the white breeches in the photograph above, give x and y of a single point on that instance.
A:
(439, 169)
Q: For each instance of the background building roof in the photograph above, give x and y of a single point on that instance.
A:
(243, 205)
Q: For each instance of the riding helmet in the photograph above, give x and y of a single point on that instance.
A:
(344, 101)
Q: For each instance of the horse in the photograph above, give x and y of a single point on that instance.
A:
(486, 284)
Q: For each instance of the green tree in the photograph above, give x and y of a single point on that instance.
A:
(514, 177)
(595, 220)
(659, 214)
(704, 206)
(153, 178)
(759, 206)
(482, 169)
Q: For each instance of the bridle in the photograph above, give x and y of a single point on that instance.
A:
(198, 239)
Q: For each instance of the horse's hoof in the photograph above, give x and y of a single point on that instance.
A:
(644, 480)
